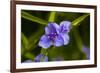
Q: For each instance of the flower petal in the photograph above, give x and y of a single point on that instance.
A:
(46, 59)
(66, 38)
(45, 42)
(65, 26)
(47, 30)
(41, 58)
(58, 41)
(52, 28)
(38, 57)
(86, 51)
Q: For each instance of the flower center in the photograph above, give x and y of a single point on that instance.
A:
(52, 36)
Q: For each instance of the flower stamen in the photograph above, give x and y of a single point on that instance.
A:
(52, 36)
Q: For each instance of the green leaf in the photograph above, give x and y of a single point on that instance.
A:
(29, 55)
(77, 38)
(35, 37)
(52, 16)
(79, 19)
(24, 40)
(75, 31)
(33, 18)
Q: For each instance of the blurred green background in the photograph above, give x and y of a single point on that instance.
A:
(32, 28)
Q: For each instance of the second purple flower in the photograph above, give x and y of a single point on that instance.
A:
(55, 34)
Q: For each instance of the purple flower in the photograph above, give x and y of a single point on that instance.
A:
(86, 51)
(65, 26)
(55, 34)
(41, 58)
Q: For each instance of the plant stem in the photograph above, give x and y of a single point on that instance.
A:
(43, 51)
(52, 16)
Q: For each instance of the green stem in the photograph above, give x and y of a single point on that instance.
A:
(43, 51)
(52, 16)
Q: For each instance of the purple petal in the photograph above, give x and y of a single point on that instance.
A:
(40, 58)
(46, 59)
(52, 28)
(45, 42)
(65, 26)
(65, 38)
(86, 51)
(58, 41)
